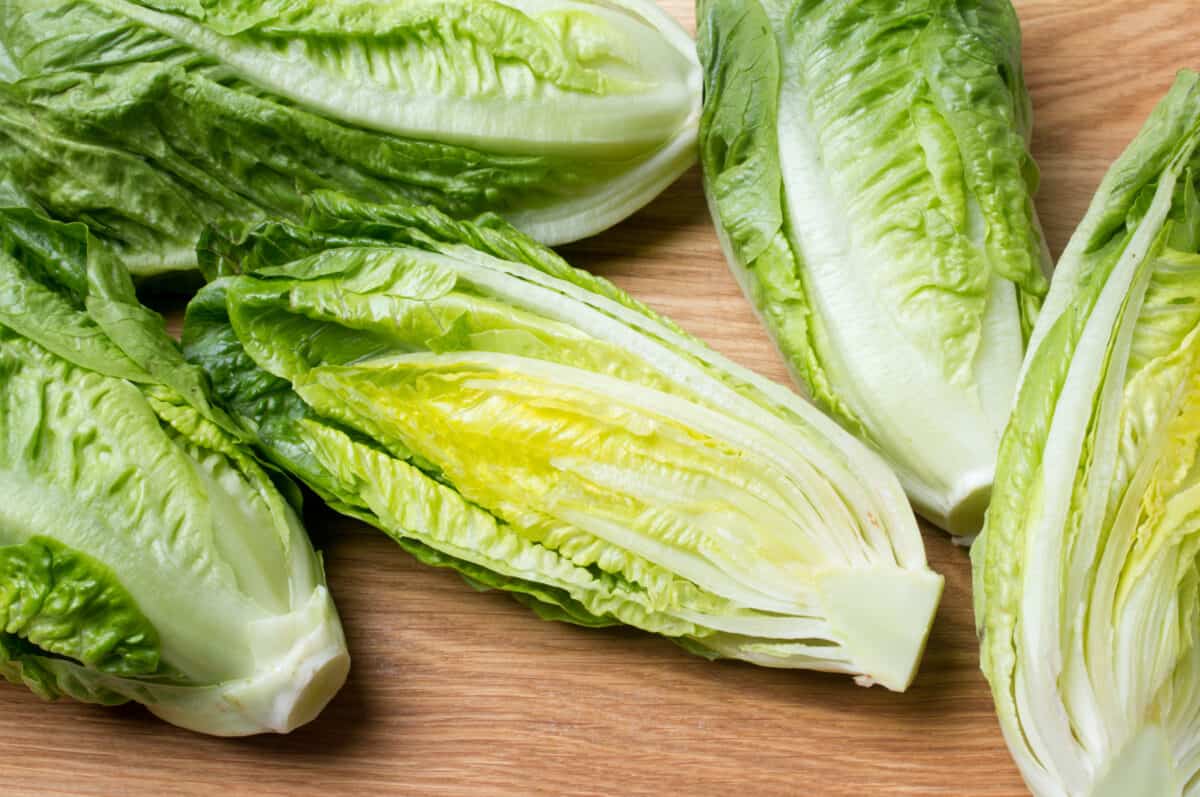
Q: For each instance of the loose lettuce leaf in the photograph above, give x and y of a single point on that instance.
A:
(495, 411)
(144, 554)
(867, 167)
(1086, 575)
(150, 120)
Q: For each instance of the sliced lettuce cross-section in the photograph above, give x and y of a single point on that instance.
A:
(148, 120)
(495, 411)
(867, 167)
(1087, 575)
(144, 555)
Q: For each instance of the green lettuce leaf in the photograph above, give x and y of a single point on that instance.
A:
(67, 604)
(148, 121)
(498, 412)
(144, 554)
(867, 168)
(1087, 575)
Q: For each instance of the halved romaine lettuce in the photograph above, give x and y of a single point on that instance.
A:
(1087, 574)
(867, 168)
(148, 120)
(497, 412)
(144, 555)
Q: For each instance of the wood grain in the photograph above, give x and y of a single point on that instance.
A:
(454, 692)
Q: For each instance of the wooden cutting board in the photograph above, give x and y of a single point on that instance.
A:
(457, 692)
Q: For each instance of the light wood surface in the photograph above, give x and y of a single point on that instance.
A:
(460, 693)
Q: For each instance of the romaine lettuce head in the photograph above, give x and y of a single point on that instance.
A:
(148, 120)
(497, 412)
(1087, 590)
(867, 167)
(144, 555)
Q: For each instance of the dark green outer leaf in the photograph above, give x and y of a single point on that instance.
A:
(68, 604)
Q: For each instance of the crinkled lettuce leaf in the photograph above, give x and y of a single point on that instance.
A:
(1087, 575)
(498, 412)
(868, 170)
(150, 120)
(144, 554)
